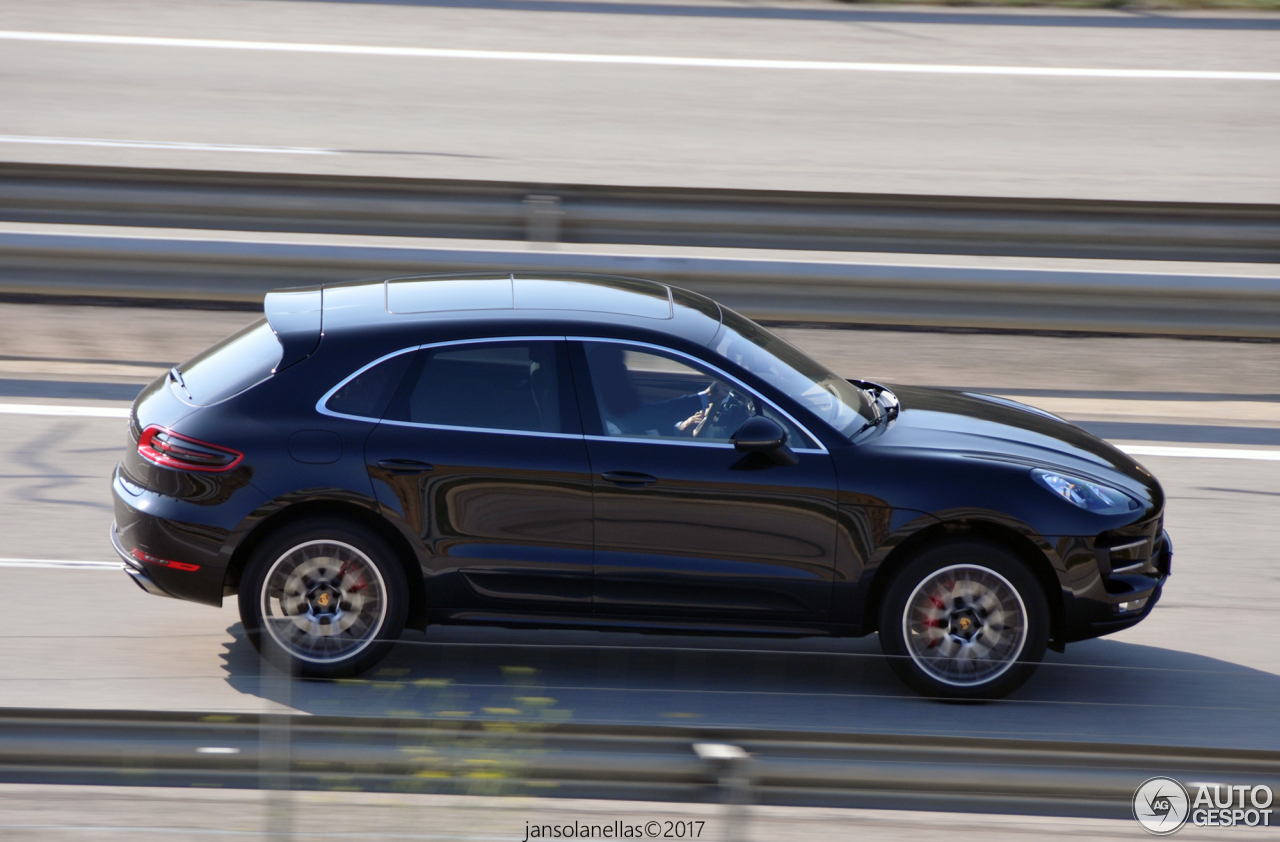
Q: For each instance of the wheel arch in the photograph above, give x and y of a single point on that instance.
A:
(999, 534)
(342, 510)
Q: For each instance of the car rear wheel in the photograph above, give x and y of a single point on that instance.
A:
(964, 620)
(323, 599)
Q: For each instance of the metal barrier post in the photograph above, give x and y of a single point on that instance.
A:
(729, 765)
(275, 757)
(543, 215)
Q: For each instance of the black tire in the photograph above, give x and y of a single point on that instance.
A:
(949, 604)
(336, 598)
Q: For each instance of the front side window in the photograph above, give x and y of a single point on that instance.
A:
(643, 393)
(497, 385)
(835, 400)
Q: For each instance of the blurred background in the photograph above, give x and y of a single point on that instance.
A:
(1078, 208)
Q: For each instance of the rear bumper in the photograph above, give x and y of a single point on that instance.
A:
(173, 546)
(134, 568)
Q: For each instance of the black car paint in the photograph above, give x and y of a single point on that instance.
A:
(947, 462)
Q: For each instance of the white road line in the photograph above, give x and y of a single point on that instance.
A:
(47, 563)
(76, 411)
(1200, 452)
(660, 61)
(163, 144)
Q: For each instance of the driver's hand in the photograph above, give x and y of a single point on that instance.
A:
(692, 421)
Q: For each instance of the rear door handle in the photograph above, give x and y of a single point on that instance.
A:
(628, 478)
(405, 466)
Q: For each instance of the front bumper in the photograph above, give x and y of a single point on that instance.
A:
(1123, 591)
(1127, 610)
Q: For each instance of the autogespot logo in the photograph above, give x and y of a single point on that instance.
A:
(1161, 806)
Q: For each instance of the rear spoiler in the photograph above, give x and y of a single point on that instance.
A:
(295, 316)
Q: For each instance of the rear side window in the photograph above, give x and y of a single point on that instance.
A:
(367, 394)
(243, 359)
(516, 386)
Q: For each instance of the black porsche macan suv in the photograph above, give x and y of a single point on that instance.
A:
(584, 451)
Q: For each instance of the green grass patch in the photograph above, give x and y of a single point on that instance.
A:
(1246, 5)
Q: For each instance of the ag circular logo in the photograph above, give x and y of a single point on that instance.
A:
(1161, 806)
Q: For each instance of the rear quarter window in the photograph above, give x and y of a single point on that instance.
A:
(367, 393)
(243, 359)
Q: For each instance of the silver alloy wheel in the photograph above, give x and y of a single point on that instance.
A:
(323, 601)
(965, 625)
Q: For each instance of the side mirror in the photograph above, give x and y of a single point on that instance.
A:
(763, 435)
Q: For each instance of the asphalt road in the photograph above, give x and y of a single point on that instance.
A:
(932, 127)
(32, 813)
(1203, 670)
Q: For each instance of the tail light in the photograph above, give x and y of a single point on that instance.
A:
(170, 450)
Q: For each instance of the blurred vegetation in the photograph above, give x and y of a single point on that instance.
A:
(1135, 5)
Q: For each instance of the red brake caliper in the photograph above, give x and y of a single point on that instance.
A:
(937, 602)
(360, 584)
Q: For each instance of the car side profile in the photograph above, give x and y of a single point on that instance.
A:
(614, 453)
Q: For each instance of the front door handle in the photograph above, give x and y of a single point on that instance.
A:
(628, 478)
(405, 466)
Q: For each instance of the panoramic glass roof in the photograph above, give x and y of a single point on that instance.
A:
(620, 296)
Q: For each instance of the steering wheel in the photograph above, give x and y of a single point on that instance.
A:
(722, 411)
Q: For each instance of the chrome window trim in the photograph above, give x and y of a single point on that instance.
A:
(323, 410)
(681, 442)
(324, 399)
(821, 447)
(448, 427)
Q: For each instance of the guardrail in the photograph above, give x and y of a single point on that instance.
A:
(229, 268)
(572, 213)
(573, 760)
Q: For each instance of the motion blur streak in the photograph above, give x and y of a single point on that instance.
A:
(1201, 452)
(53, 563)
(162, 144)
(662, 61)
(1132, 450)
(50, 409)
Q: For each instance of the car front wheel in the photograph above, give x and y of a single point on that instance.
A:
(323, 600)
(964, 620)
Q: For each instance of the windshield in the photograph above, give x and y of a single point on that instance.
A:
(771, 358)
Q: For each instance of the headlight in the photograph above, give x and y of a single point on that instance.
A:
(1090, 496)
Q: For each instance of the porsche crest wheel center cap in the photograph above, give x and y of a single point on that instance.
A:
(324, 602)
(965, 624)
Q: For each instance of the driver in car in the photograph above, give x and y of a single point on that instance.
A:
(626, 413)
(710, 397)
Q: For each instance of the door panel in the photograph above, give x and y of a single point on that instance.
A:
(685, 525)
(714, 534)
(504, 514)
